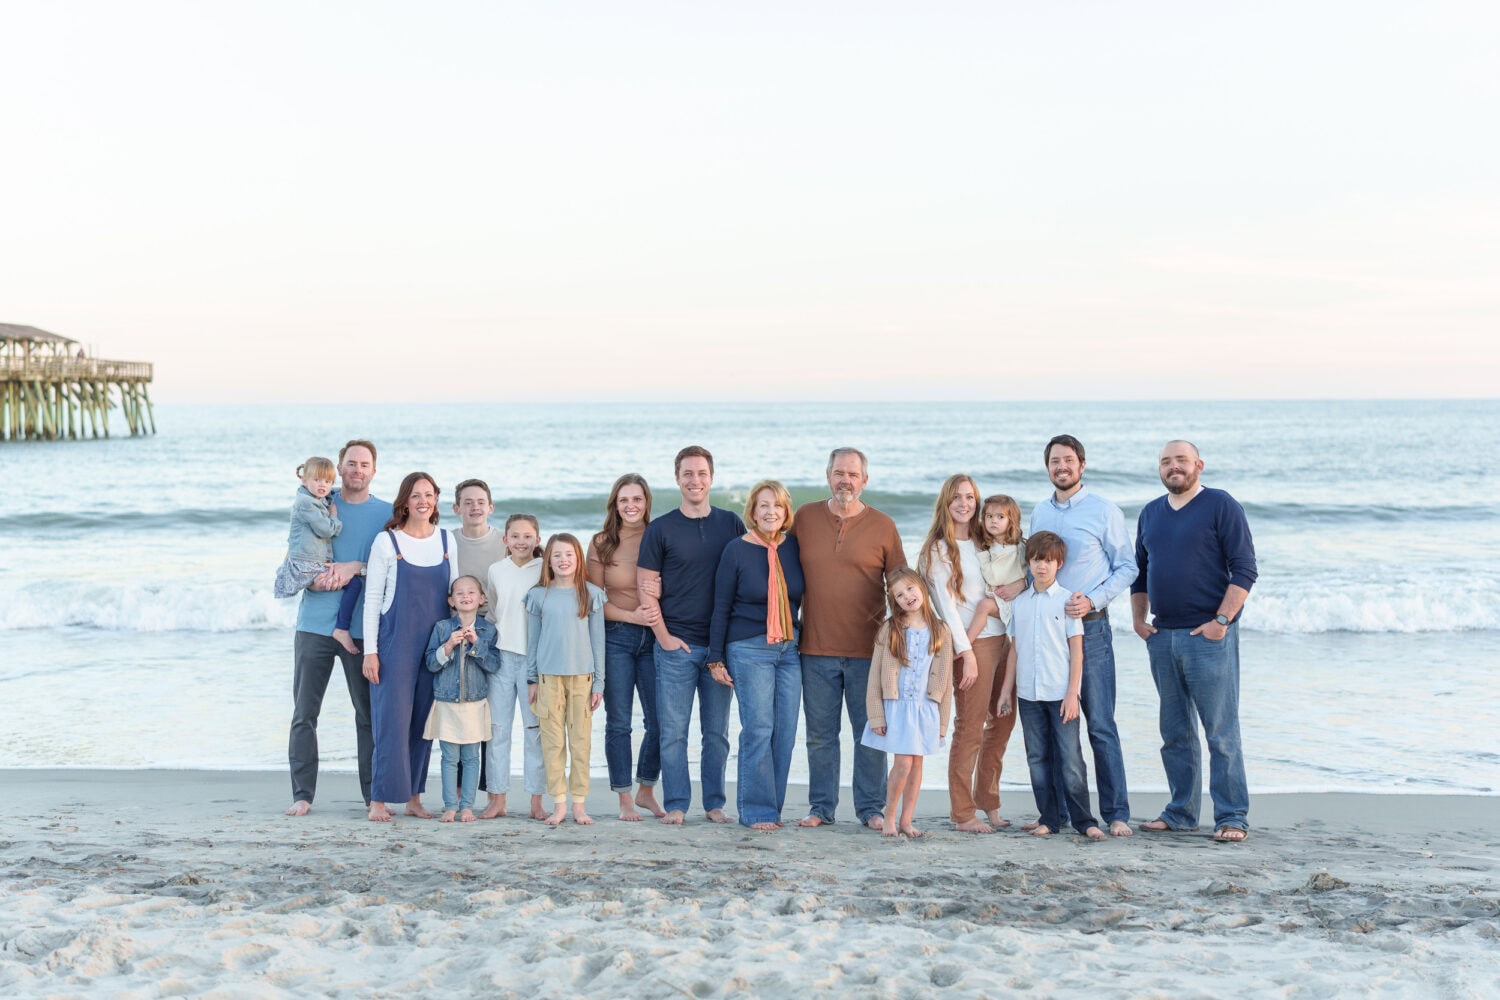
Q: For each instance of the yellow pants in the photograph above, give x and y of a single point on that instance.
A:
(562, 708)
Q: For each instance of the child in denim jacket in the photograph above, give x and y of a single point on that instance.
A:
(315, 522)
(462, 651)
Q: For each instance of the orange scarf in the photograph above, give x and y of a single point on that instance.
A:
(779, 626)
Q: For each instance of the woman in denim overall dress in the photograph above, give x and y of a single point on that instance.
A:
(406, 594)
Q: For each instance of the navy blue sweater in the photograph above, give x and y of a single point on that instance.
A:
(1188, 557)
(741, 589)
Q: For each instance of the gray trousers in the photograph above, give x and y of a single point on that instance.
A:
(313, 657)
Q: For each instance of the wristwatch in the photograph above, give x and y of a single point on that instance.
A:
(1222, 620)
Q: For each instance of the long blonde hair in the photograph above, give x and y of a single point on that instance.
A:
(942, 532)
(936, 631)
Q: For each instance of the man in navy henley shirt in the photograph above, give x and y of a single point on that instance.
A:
(679, 557)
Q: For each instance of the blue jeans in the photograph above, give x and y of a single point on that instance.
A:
(829, 685)
(768, 687)
(630, 668)
(1097, 700)
(679, 676)
(1056, 762)
(507, 695)
(453, 755)
(1198, 678)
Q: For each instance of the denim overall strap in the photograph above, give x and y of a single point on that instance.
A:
(400, 703)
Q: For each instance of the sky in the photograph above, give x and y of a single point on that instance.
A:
(338, 201)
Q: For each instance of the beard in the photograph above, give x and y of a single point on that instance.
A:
(1178, 487)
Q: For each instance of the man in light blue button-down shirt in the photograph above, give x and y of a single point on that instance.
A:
(1100, 566)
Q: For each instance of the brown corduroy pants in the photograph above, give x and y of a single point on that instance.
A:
(979, 737)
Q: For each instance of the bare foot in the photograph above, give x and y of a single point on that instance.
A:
(415, 808)
(447, 816)
(995, 820)
(580, 817)
(876, 822)
(716, 816)
(975, 825)
(1120, 828)
(673, 818)
(558, 815)
(1156, 826)
(494, 808)
(645, 797)
(466, 816)
(766, 827)
(1031, 825)
(810, 821)
(889, 831)
(1041, 830)
(1230, 834)
(299, 808)
(343, 638)
(537, 812)
(1094, 833)
(628, 811)
(911, 831)
(379, 813)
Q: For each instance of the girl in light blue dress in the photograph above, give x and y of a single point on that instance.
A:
(910, 693)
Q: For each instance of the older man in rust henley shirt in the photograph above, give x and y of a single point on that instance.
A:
(848, 550)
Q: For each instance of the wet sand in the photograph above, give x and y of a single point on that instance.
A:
(157, 883)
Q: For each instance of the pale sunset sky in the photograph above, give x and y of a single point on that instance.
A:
(858, 200)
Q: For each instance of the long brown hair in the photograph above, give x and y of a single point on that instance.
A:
(935, 628)
(608, 540)
(399, 509)
(1011, 510)
(580, 579)
(942, 532)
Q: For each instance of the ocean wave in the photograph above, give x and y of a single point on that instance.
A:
(230, 607)
(908, 507)
(1362, 608)
(222, 607)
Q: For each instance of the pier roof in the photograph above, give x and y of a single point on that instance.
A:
(14, 331)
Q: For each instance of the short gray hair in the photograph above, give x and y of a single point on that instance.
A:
(837, 453)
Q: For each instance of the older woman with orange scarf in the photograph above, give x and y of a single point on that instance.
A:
(753, 648)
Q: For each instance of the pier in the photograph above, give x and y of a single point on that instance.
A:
(53, 389)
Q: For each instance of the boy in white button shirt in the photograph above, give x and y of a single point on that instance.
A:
(1046, 672)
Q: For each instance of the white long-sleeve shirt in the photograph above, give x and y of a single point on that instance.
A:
(959, 612)
(380, 574)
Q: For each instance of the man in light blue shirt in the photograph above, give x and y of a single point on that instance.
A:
(314, 648)
(1099, 567)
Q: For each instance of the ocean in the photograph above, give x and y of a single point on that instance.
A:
(137, 626)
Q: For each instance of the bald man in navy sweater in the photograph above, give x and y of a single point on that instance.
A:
(1197, 564)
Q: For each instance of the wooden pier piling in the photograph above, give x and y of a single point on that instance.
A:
(54, 390)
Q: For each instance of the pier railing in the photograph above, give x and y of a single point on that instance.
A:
(74, 369)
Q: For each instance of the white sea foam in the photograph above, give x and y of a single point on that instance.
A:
(223, 607)
(230, 607)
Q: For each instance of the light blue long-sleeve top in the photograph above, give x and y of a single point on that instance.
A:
(1101, 560)
(558, 642)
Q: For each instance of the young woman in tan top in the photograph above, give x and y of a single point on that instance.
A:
(629, 666)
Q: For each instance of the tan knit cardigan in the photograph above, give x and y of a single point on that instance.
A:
(885, 671)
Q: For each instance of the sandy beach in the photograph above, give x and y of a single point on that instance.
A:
(160, 883)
